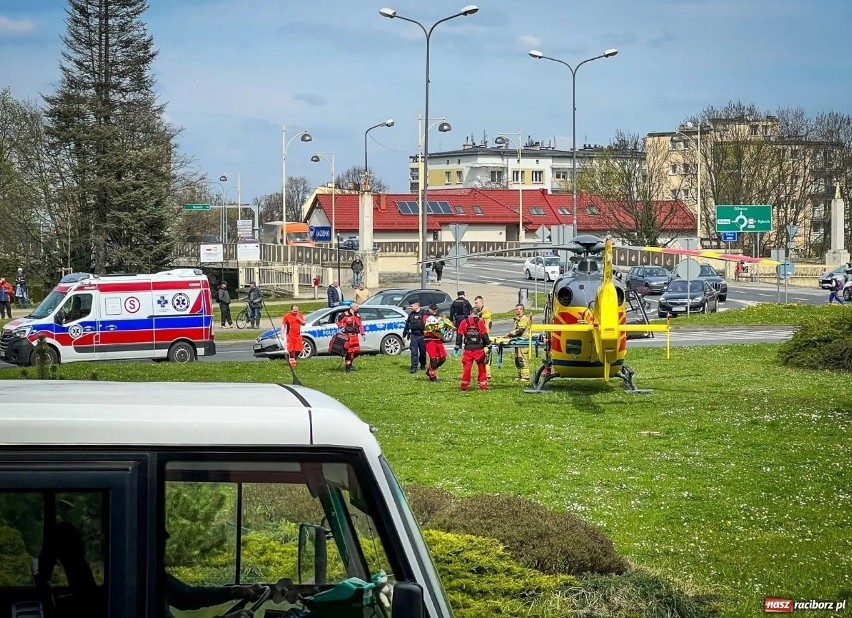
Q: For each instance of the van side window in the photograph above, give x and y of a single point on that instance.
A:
(257, 522)
(77, 307)
(53, 548)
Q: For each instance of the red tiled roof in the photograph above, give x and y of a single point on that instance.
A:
(497, 206)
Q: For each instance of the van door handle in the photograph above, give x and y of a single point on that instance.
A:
(112, 327)
(88, 329)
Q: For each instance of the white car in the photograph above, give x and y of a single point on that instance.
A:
(383, 326)
(542, 267)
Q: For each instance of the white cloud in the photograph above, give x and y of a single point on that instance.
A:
(528, 40)
(9, 26)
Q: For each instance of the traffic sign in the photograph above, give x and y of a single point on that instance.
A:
(196, 206)
(744, 218)
(245, 228)
(542, 233)
(729, 236)
(457, 255)
(458, 230)
(320, 233)
(785, 269)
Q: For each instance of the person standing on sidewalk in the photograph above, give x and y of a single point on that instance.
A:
(357, 270)
(255, 302)
(362, 293)
(6, 293)
(224, 300)
(335, 294)
(836, 291)
(438, 267)
(415, 326)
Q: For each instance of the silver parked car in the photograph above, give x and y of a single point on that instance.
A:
(383, 325)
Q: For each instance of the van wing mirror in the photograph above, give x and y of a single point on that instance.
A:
(59, 318)
(408, 600)
(313, 554)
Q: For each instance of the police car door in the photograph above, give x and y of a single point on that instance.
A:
(372, 330)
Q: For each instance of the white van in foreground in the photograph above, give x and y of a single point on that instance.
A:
(161, 499)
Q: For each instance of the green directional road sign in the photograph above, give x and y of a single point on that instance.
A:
(744, 218)
(196, 206)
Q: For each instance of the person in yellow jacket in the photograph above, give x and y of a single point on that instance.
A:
(521, 331)
(484, 313)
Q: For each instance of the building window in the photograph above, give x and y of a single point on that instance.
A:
(497, 176)
(560, 175)
(674, 194)
(516, 174)
(593, 211)
(458, 177)
(459, 210)
(686, 168)
(794, 154)
(563, 210)
(754, 129)
(448, 178)
(536, 210)
(537, 176)
(477, 210)
(673, 169)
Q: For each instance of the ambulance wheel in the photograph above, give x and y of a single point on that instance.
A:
(52, 358)
(308, 349)
(181, 352)
(392, 345)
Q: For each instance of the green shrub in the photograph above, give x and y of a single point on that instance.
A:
(821, 343)
(426, 502)
(549, 541)
(15, 567)
(482, 579)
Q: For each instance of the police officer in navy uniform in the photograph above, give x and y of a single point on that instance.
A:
(460, 309)
(415, 326)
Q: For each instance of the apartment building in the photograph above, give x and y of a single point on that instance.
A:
(484, 166)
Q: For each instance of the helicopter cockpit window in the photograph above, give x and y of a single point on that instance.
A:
(588, 266)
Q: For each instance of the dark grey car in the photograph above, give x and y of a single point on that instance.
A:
(404, 298)
(656, 277)
(709, 274)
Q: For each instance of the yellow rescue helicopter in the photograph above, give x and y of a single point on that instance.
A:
(585, 320)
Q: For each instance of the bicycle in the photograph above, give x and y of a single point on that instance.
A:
(244, 317)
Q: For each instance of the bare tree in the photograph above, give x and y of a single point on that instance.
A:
(630, 175)
(353, 178)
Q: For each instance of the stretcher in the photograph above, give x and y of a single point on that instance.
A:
(499, 344)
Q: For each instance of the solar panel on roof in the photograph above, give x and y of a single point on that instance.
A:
(406, 209)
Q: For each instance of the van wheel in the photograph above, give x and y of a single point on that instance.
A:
(181, 352)
(50, 359)
(392, 345)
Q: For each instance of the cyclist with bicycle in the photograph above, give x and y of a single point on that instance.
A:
(255, 302)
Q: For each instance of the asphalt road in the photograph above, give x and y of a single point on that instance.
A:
(508, 272)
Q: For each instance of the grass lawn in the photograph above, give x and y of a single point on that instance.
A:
(733, 475)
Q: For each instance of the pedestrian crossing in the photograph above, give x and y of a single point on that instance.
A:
(720, 336)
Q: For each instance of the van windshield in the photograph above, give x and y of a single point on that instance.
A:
(48, 305)
(298, 237)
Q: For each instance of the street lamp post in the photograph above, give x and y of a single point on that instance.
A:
(689, 125)
(534, 53)
(502, 138)
(225, 178)
(443, 127)
(387, 123)
(285, 144)
(424, 205)
(316, 158)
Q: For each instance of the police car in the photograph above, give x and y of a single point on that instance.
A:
(383, 326)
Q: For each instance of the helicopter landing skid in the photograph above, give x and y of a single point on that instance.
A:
(626, 374)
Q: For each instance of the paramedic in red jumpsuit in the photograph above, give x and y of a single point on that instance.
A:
(350, 323)
(291, 329)
(473, 333)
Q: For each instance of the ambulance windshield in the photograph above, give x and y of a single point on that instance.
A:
(49, 304)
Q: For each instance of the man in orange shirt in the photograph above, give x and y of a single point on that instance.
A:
(291, 330)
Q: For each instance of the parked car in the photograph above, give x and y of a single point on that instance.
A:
(655, 277)
(382, 327)
(709, 274)
(404, 298)
(543, 267)
(700, 297)
(826, 279)
(353, 244)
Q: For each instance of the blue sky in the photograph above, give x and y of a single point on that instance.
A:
(233, 72)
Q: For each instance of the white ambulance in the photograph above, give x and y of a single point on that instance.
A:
(148, 500)
(167, 315)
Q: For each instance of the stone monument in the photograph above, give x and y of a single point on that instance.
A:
(365, 237)
(837, 254)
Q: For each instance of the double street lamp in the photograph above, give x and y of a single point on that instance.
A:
(316, 159)
(504, 140)
(392, 14)
(387, 123)
(304, 136)
(534, 53)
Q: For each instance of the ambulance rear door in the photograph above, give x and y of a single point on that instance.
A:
(126, 323)
(180, 312)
